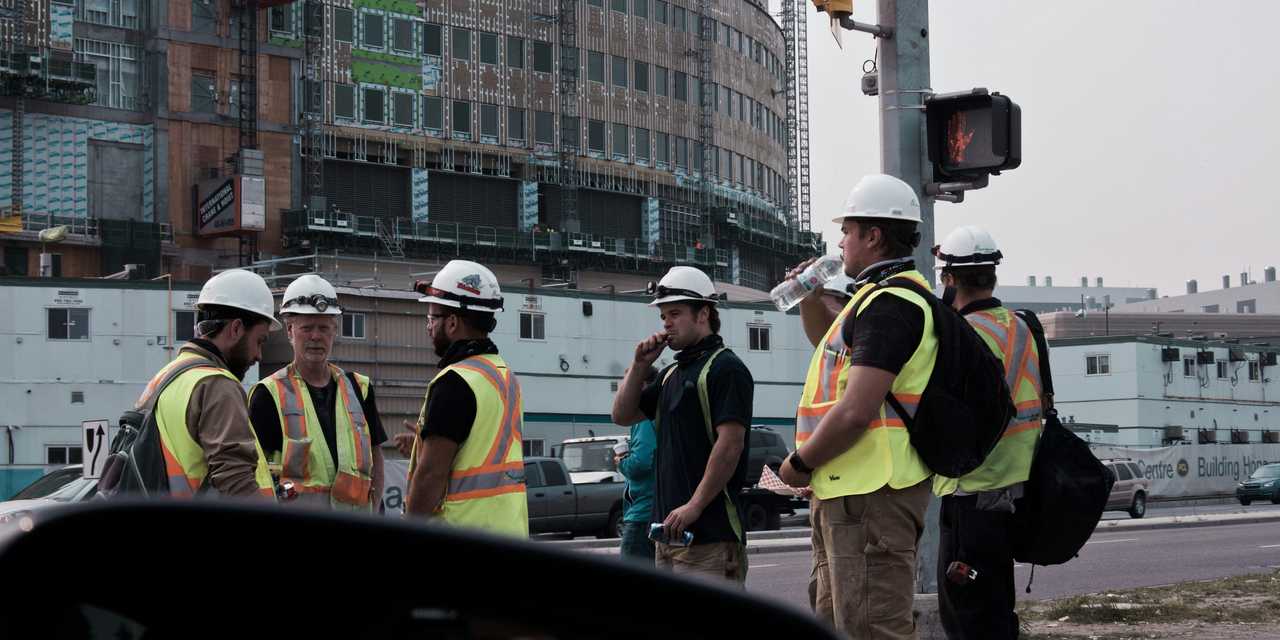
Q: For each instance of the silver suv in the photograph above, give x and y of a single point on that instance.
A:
(1129, 493)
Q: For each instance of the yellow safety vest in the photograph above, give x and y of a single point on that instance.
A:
(486, 483)
(882, 455)
(304, 458)
(1010, 462)
(184, 459)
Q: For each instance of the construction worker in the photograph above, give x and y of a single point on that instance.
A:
(851, 448)
(320, 424)
(466, 463)
(204, 441)
(976, 596)
(701, 407)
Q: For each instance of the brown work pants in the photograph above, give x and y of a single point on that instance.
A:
(718, 560)
(864, 561)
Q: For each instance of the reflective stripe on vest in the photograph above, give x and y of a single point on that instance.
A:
(345, 483)
(185, 463)
(1010, 462)
(486, 487)
(883, 454)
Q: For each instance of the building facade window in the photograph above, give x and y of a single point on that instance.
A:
(63, 454)
(660, 81)
(1255, 371)
(1247, 306)
(544, 127)
(542, 57)
(402, 108)
(595, 66)
(642, 77)
(344, 101)
(68, 324)
(533, 326)
(432, 40)
(1189, 367)
(460, 40)
(374, 36)
(515, 125)
(353, 326)
(621, 142)
(204, 92)
(595, 136)
(432, 114)
(375, 106)
(489, 123)
(642, 145)
(344, 28)
(515, 52)
(619, 72)
(117, 72)
(402, 39)
(461, 120)
(759, 337)
(184, 326)
(1222, 370)
(1097, 365)
(489, 48)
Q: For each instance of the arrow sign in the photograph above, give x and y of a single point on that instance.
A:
(94, 446)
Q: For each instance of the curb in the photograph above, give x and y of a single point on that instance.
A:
(793, 540)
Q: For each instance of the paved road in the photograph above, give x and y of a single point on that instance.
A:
(1111, 560)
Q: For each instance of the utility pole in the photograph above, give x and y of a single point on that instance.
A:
(904, 85)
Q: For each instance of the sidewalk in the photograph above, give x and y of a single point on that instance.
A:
(797, 539)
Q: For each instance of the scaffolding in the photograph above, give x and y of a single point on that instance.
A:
(570, 120)
(802, 111)
(247, 107)
(790, 10)
(314, 103)
(707, 104)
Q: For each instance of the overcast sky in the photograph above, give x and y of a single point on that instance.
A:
(1151, 139)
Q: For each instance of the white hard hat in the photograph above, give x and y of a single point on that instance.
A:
(240, 289)
(839, 286)
(310, 295)
(967, 247)
(463, 284)
(683, 283)
(881, 196)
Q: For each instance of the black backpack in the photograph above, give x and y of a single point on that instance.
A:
(966, 405)
(136, 462)
(1064, 496)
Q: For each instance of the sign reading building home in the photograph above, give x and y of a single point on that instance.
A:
(67, 297)
(236, 204)
(1196, 469)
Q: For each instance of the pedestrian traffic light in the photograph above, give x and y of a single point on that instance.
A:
(973, 134)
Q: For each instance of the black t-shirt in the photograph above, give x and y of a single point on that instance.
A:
(451, 405)
(683, 446)
(266, 418)
(885, 335)
(451, 409)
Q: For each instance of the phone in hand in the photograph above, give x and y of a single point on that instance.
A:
(658, 533)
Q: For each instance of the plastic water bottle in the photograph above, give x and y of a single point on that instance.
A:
(792, 290)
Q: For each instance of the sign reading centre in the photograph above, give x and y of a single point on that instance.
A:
(230, 206)
(1196, 469)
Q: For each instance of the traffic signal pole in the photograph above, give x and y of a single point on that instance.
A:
(904, 85)
(904, 152)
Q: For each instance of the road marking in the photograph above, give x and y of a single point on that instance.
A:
(764, 566)
(1107, 541)
(1269, 546)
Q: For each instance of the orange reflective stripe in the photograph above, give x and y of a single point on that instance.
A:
(485, 493)
(892, 423)
(180, 485)
(490, 468)
(508, 389)
(1015, 429)
(351, 489)
(359, 423)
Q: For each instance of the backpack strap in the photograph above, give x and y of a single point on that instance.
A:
(704, 399)
(929, 299)
(150, 405)
(1042, 345)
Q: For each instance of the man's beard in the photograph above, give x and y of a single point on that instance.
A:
(441, 344)
(238, 358)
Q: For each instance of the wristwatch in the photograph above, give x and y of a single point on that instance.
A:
(798, 464)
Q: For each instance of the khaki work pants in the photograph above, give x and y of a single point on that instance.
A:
(717, 560)
(864, 561)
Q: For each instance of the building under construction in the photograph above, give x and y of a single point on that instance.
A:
(549, 138)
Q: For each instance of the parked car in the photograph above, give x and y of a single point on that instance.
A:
(1129, 493)
(1264, 484)
(557, 504)
(59, 487)
(590, 460)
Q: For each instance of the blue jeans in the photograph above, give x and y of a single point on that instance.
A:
(636, 544)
